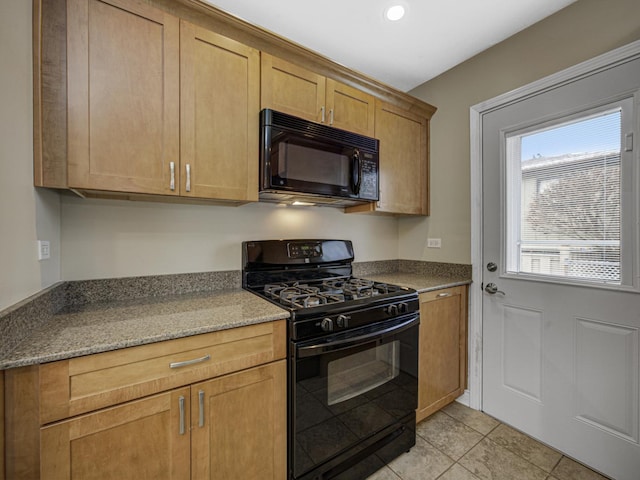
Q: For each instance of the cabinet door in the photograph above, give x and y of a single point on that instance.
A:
(220, 106)
(140, 439)
(443, 349)
(239, 425)
(123, 96)
(404, 183)
(291, 89)
(350, 109)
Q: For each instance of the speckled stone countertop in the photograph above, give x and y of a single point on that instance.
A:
(72, 319)
(421, 276)
(421, 283)
(110, 325)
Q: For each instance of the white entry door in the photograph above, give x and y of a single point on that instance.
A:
(561, 300)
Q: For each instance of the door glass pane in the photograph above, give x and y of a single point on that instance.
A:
(564, 208)
(356, 374)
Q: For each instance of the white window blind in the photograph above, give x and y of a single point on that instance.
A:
(565, 199)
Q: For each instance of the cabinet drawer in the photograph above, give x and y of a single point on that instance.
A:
(443, 293)
(79, 385)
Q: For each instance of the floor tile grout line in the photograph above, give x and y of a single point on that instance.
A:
(550, 475)
(557, 463)
(444, 453)
(486, 436)
(518, 455)
(475, 429)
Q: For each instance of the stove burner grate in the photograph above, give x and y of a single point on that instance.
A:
(305, 295)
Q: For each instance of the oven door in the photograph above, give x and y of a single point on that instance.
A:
(353, 399)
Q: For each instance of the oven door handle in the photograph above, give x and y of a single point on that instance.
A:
(352, 341)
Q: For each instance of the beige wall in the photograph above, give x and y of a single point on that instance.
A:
(109, 238)
(26, 214)
(577, 33)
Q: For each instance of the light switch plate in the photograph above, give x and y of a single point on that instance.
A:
(44, 250)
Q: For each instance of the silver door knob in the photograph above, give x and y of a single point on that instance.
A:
(492, 288)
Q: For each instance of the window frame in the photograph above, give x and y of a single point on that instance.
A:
(627, 103)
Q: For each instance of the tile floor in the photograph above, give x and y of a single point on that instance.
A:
(459, 443)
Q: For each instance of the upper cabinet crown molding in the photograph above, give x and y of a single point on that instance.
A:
(208, 16)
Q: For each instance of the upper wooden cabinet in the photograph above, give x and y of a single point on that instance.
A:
(123, 97)
(404, 162)
(145, 98)
(292, 89)
(219, 100)
(135, 76)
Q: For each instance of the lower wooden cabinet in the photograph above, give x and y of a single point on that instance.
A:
(442, 371)
(239, 428)
(205, 406)
(229, 427)
(140, 439)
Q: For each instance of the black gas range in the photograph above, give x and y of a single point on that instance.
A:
(352, 358)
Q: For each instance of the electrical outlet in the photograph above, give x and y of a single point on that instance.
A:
(434, 242)
(44, 250)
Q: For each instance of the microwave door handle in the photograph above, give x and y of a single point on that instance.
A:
(349, 342)
(356, 171)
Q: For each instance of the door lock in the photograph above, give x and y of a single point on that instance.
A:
(492, 267)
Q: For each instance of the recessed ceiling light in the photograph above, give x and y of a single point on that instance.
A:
(394, 13)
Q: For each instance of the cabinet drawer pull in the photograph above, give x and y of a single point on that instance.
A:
(190, 362)
(201, 408)
(188, 185)
(181, 403)
(444, 294)
(331, 116)
(172, 182)
(322, 115)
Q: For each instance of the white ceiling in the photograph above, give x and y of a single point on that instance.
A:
(432, 37)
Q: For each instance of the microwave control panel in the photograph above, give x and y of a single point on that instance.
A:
(369, 182)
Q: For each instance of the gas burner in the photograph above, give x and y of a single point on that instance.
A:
(305, 300)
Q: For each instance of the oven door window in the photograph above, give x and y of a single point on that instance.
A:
(359, 373)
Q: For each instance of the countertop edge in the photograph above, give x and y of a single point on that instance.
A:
(80, 352)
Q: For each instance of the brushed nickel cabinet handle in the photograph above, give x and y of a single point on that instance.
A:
(444, 294)
(188, 186)
(181, 404)
(322, 115)
(331, 116)
(201, 408)
(190, 362)
(172, 182)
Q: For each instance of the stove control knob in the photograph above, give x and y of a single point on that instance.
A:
(343, 321)
(327, 325)
(392, 310)
(403, 307)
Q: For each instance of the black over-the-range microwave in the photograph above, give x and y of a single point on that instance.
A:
(311, 162)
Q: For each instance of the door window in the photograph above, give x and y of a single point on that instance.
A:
(567, 218)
